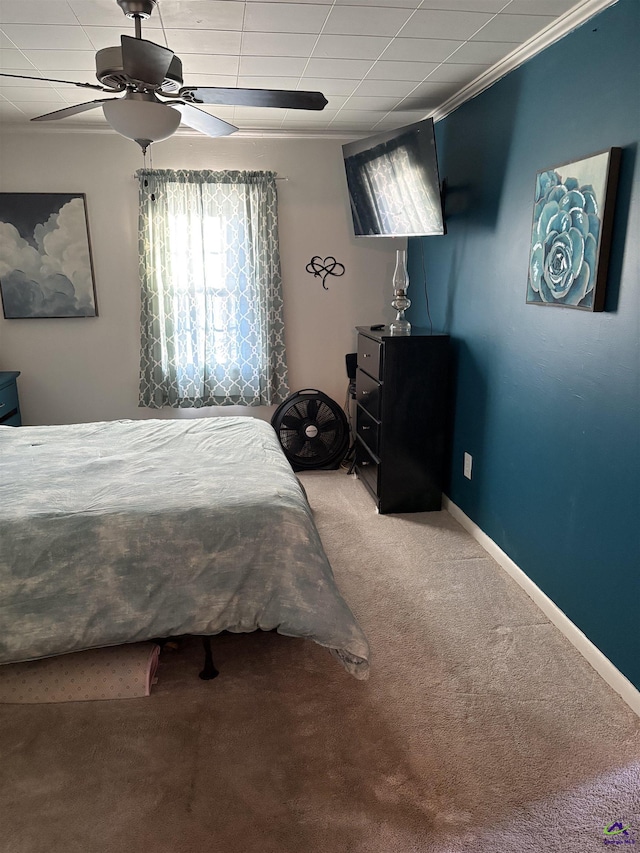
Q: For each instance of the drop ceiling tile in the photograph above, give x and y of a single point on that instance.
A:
(101, 37)
(358, 103)
(540, 7)
(15, 82)
(335, 86)
(9, 112)
(201, 63)
(278, 44)
(395, 4)
(106, 13)
(22, 94)
(347, 69)
(185, 42)
(316, 118)
(79, 96)
(36, 12)
(421, 50)
(445, 24)
(274, 66)
(415, 71)
(223, 111)
(38, 108)
(64, 75)
(393, 88)
(446, 5)
(424, 104)
(401, 118)
(41, 37)
(346, 114)
(257, 124)
(351, 47)
(50, 60)
(356, 121)
(513, 27)
(483, 52)
(433, 89)
(285, 17)
(208, 14)
(451, 72)
(359, 20)
(259, 113)
(260, 81)
(223, 80)
(335, 103)
(14, 59)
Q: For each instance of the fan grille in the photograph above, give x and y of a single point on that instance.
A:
(109, 71)
(313, 430)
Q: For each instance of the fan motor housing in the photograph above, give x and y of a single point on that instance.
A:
(313, 430)
(109, 71)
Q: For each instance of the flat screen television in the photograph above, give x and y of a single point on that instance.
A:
(393, 183)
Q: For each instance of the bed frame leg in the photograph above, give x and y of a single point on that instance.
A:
(209, 670)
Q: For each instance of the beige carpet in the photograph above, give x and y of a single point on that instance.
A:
(481, 728)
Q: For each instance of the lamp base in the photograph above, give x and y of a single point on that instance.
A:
(400, 327)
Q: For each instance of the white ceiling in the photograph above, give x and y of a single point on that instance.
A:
(380, 63)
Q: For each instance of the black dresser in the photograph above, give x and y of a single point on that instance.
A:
(402, 417)
(9, 405)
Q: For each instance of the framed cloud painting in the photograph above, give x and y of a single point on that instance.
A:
(571, 233)
(45, 256)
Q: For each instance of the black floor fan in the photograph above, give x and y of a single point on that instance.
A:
(313, 430)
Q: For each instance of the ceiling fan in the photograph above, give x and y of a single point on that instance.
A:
(151, 102)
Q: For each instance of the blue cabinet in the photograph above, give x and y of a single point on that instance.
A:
(9, 403)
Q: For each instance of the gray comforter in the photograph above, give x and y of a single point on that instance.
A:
(128, 530)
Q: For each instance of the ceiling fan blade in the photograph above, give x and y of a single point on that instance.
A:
(144, 61)
(53, 80)
(286, 100)
(202, 121)
(72, 111)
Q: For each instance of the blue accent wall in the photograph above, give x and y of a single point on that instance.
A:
(547, 399)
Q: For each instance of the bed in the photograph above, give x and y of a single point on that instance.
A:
(125, 531)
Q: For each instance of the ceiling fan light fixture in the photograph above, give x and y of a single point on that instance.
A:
(144, 121)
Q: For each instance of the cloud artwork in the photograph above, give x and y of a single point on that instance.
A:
(45, 260)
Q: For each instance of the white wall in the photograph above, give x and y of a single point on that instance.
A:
(79, 370)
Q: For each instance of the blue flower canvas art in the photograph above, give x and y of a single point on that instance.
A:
(571, 233)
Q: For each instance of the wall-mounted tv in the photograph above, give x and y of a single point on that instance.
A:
(393, 182)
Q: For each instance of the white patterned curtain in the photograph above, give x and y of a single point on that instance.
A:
(211, 322)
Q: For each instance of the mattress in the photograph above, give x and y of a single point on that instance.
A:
(125, 531)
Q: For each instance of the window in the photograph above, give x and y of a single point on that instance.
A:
(211, 322)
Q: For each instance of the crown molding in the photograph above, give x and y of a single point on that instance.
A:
(551, 34)
(182, 132)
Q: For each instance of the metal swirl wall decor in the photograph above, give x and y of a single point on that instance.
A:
(322, 267)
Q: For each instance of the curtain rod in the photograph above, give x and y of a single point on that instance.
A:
(278, 177)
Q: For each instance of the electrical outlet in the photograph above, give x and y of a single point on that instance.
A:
(468, 462)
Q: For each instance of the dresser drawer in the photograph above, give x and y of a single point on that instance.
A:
(367, 468)
(368, 393)
(8, 403)
(367, 428)
(370, 356)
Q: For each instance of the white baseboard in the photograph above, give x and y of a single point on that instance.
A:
(583, 644)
